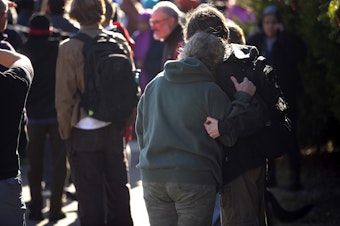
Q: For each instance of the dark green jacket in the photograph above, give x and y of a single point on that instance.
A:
(170, 125)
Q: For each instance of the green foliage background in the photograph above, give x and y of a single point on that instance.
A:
(316, 22)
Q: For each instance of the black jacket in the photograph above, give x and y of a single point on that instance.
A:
(43, 54)
(14, 85)
(246, 153)
(171, 44)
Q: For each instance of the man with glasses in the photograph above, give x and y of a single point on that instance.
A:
(166, 24)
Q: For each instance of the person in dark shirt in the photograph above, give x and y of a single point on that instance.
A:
(5, 44)
(166, 23)
(14, 86)
(56, 11)
(42, 119)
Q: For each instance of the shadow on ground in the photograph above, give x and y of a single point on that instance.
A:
(320, 178)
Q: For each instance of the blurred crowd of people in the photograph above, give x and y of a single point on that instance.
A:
(154, 31)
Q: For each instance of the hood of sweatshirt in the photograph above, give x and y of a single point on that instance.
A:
(187, 70)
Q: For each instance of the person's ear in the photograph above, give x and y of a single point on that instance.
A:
(172, 21)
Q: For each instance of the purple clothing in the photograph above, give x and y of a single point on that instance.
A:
(241, 13)
(142, 40)
(142, 43)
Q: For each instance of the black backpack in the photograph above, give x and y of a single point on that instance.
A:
(273, 139)
(111, 89)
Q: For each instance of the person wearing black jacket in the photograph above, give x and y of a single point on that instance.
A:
(56, 11)
(14, 86)
(242, 193)
(5, 43)
(42, 120)
(244, 166)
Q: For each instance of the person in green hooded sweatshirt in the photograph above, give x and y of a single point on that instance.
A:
(180, 164)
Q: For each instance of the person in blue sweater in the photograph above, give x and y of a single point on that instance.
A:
(180, 164)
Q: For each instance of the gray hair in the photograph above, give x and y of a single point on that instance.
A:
(206, 47)
(169, 9)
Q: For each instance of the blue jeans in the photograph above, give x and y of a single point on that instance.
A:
(12, 205)
(217, 215)
(179, 204)
(99, 172)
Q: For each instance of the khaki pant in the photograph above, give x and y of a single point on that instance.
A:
(242, 200)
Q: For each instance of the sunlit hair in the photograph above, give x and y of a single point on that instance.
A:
(110, 9)
(169, 9)
(87, 12)
(3, 6)
(206, 47)
(236, 34)
(205, 18)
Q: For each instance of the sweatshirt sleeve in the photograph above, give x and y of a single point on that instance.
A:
(139, 123)
(248, 116)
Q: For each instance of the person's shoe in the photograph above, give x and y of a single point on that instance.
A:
(35, 216)
(56, 217)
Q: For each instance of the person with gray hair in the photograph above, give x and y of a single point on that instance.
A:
(166, 22)
(180, 164)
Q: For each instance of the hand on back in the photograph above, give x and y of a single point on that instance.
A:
(245, 86)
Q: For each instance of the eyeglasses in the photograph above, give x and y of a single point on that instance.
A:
(154, 22)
